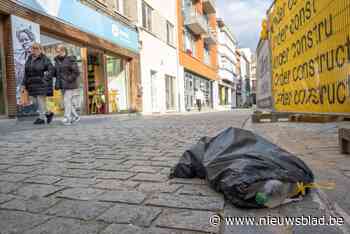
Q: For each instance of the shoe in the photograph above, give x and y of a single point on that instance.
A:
(49, 117)
(66, 122)
(76, 119)
(39, 121)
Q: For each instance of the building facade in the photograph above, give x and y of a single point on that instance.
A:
(101, 37)
(197, 45)
(157, 23)
(253, 83)
(228, 72)
(246, 56)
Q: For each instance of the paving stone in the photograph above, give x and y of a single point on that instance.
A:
(83, 194)
(189, 202)
(156, 187)
(5, 197)
(8, 187)
(65, 226)
(16, 222)
(150, 177)
(40, 190)
(131, 197)
(145, 169)
(113, 167)
(5, 166)
(169, 231)
(187, 220)
(137, 215)
(114, 175)
(85, 210)
(42, 179)
(123, 229)
(115, 185)
(198, 190)
(21, 169)
(13, 177)
(76, 173)
(33, 204)
(187, 181)
(137, 163)
(76, 182)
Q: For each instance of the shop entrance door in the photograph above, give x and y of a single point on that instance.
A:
(154, 91)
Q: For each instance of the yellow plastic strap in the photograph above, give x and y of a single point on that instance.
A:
(301, 186)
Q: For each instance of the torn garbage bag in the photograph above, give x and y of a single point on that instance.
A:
(249, 170)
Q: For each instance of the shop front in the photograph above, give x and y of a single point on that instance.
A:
(194, 83)
(107, 57)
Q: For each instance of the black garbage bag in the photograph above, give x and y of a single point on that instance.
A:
(236, 159)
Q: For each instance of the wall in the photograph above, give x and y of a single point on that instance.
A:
(157, 55)
(196, 64)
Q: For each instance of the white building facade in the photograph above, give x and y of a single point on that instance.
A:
(157, 23)
(225, 88)
(245, 75)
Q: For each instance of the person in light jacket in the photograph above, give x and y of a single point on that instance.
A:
(38, 82)
(67, 80)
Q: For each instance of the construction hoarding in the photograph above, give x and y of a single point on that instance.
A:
(310, 46)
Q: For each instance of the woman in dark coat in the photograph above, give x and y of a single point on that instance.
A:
(38, 81)
(67, 79)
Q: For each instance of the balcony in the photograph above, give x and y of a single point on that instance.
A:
(209, 6)
(195, 21)
(210, 37)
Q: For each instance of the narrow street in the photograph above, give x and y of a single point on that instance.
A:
(109, 174)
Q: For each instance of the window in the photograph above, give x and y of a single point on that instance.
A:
(119, 6)
(206, 54)
(190, 43)
(147, 16)
(170, 33)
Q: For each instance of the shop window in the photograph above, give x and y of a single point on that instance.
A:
(170, 33)
(117, 84)
(170, 92)
(147, 16)
(49, 44)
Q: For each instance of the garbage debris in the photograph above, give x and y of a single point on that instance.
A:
(249, 170)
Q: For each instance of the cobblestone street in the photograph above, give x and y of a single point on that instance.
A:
(110, 175)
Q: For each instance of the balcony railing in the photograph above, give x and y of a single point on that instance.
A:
(210, 37)
(209, 6)
(195, 21)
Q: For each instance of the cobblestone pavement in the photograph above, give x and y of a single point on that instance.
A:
(110, 175)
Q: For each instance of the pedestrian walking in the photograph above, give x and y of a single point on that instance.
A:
(38, 82)
(199, 99)
(67, 80)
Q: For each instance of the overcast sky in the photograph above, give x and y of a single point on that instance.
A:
(244, 18)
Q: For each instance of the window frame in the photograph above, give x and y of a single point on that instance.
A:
(147, 11)
(170, 29)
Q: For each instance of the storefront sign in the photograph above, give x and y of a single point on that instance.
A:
(310, 42)
(24, 34)
(87, 19)
(264, 90)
